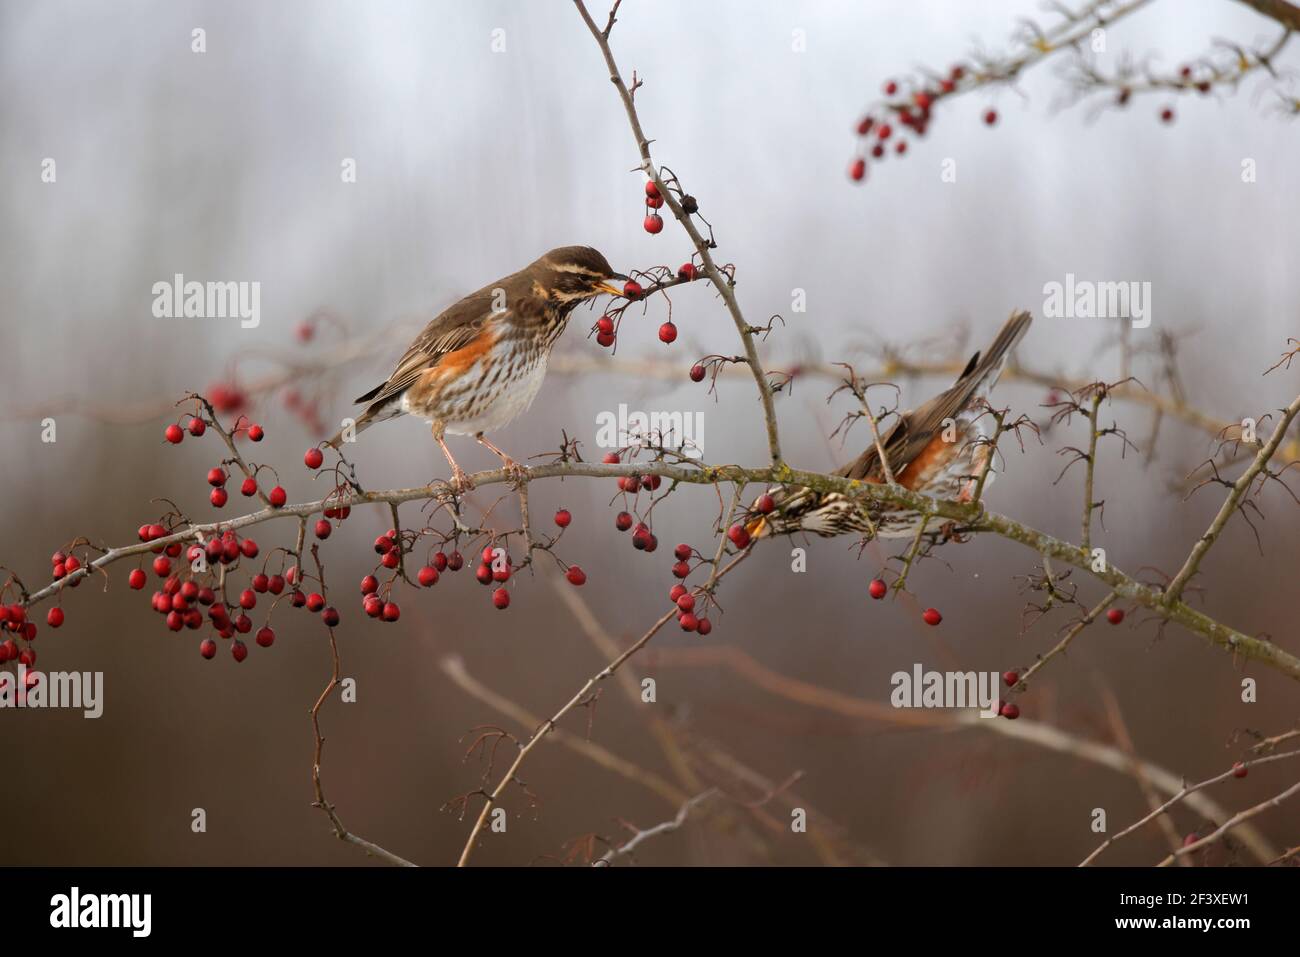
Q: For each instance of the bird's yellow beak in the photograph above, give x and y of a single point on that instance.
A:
(757, 527)
(610, 288)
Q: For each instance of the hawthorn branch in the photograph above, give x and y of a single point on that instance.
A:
(1230, 504)
(703, 247)
(967, 515)
(1185, 793)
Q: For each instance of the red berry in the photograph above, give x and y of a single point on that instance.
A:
(703, 627)
(682, 552)
(243, 624)
(208, 648)
(765, 504)
(323, 528)
(900, 147)
(654, 202)
(174, 434)
(651, 190)
(54, 617)
(260, 583)
(277, 497)
(1009, 711)
(248, 548)
(739, 536)
(255, 432)
(369, 585)
(483, 574)
(391, 559)
(623, 521)
(605, 325)
(238, 650)
(864, 125)
(313, 458)
(605, 339)
(922, 99)
(654, 223)
(248, 486)
(931, 616)
(265, 637)
(218, 497)
(330, 616)
(681, 569)
(686, 602)
(373, 605)
(428, 577)
(1239, 770)
(990, 117)
(274, 586)
(697, 373)
(217, 476)
(391, 612)
(501, 598)
(890, 88)
(877, 589)
(676, 592)
(563, 517)
(162, 565)
(196, 426)
(315, 601)
(1011, 678)
(1115, 616)
(576, 575)
(455, 561)
(687, 272)
(247, 599)
(878, 151)
(440, 561)
(667, 332)
(136, 579)
(1167, 115)
(688, 621)
(858, 170)
(632, 289)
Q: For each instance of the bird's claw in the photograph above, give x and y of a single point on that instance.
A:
(515, 472)
(460, 481)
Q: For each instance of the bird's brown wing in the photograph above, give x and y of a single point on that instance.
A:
(453, 329)
(914, 431)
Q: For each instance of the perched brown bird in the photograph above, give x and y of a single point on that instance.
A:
(479, 364)
(923, 454)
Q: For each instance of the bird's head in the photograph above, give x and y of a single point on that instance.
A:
(571, 274)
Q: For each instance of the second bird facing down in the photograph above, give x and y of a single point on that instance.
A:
(479, 364)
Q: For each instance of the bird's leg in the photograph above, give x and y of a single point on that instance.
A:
(460, 482)
(516, 471)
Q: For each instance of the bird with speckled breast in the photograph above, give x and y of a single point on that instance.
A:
(479, 364)
(923, 453)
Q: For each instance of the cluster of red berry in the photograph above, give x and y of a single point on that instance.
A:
(606, 327)
(654, 223)
(682, 597)
(877, 129)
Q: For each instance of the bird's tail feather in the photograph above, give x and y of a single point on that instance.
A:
(364, 421)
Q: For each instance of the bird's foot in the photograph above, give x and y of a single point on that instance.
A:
(460, 481)
(515, 473)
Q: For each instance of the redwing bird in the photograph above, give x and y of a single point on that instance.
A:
(479, 364)
(921, 456)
